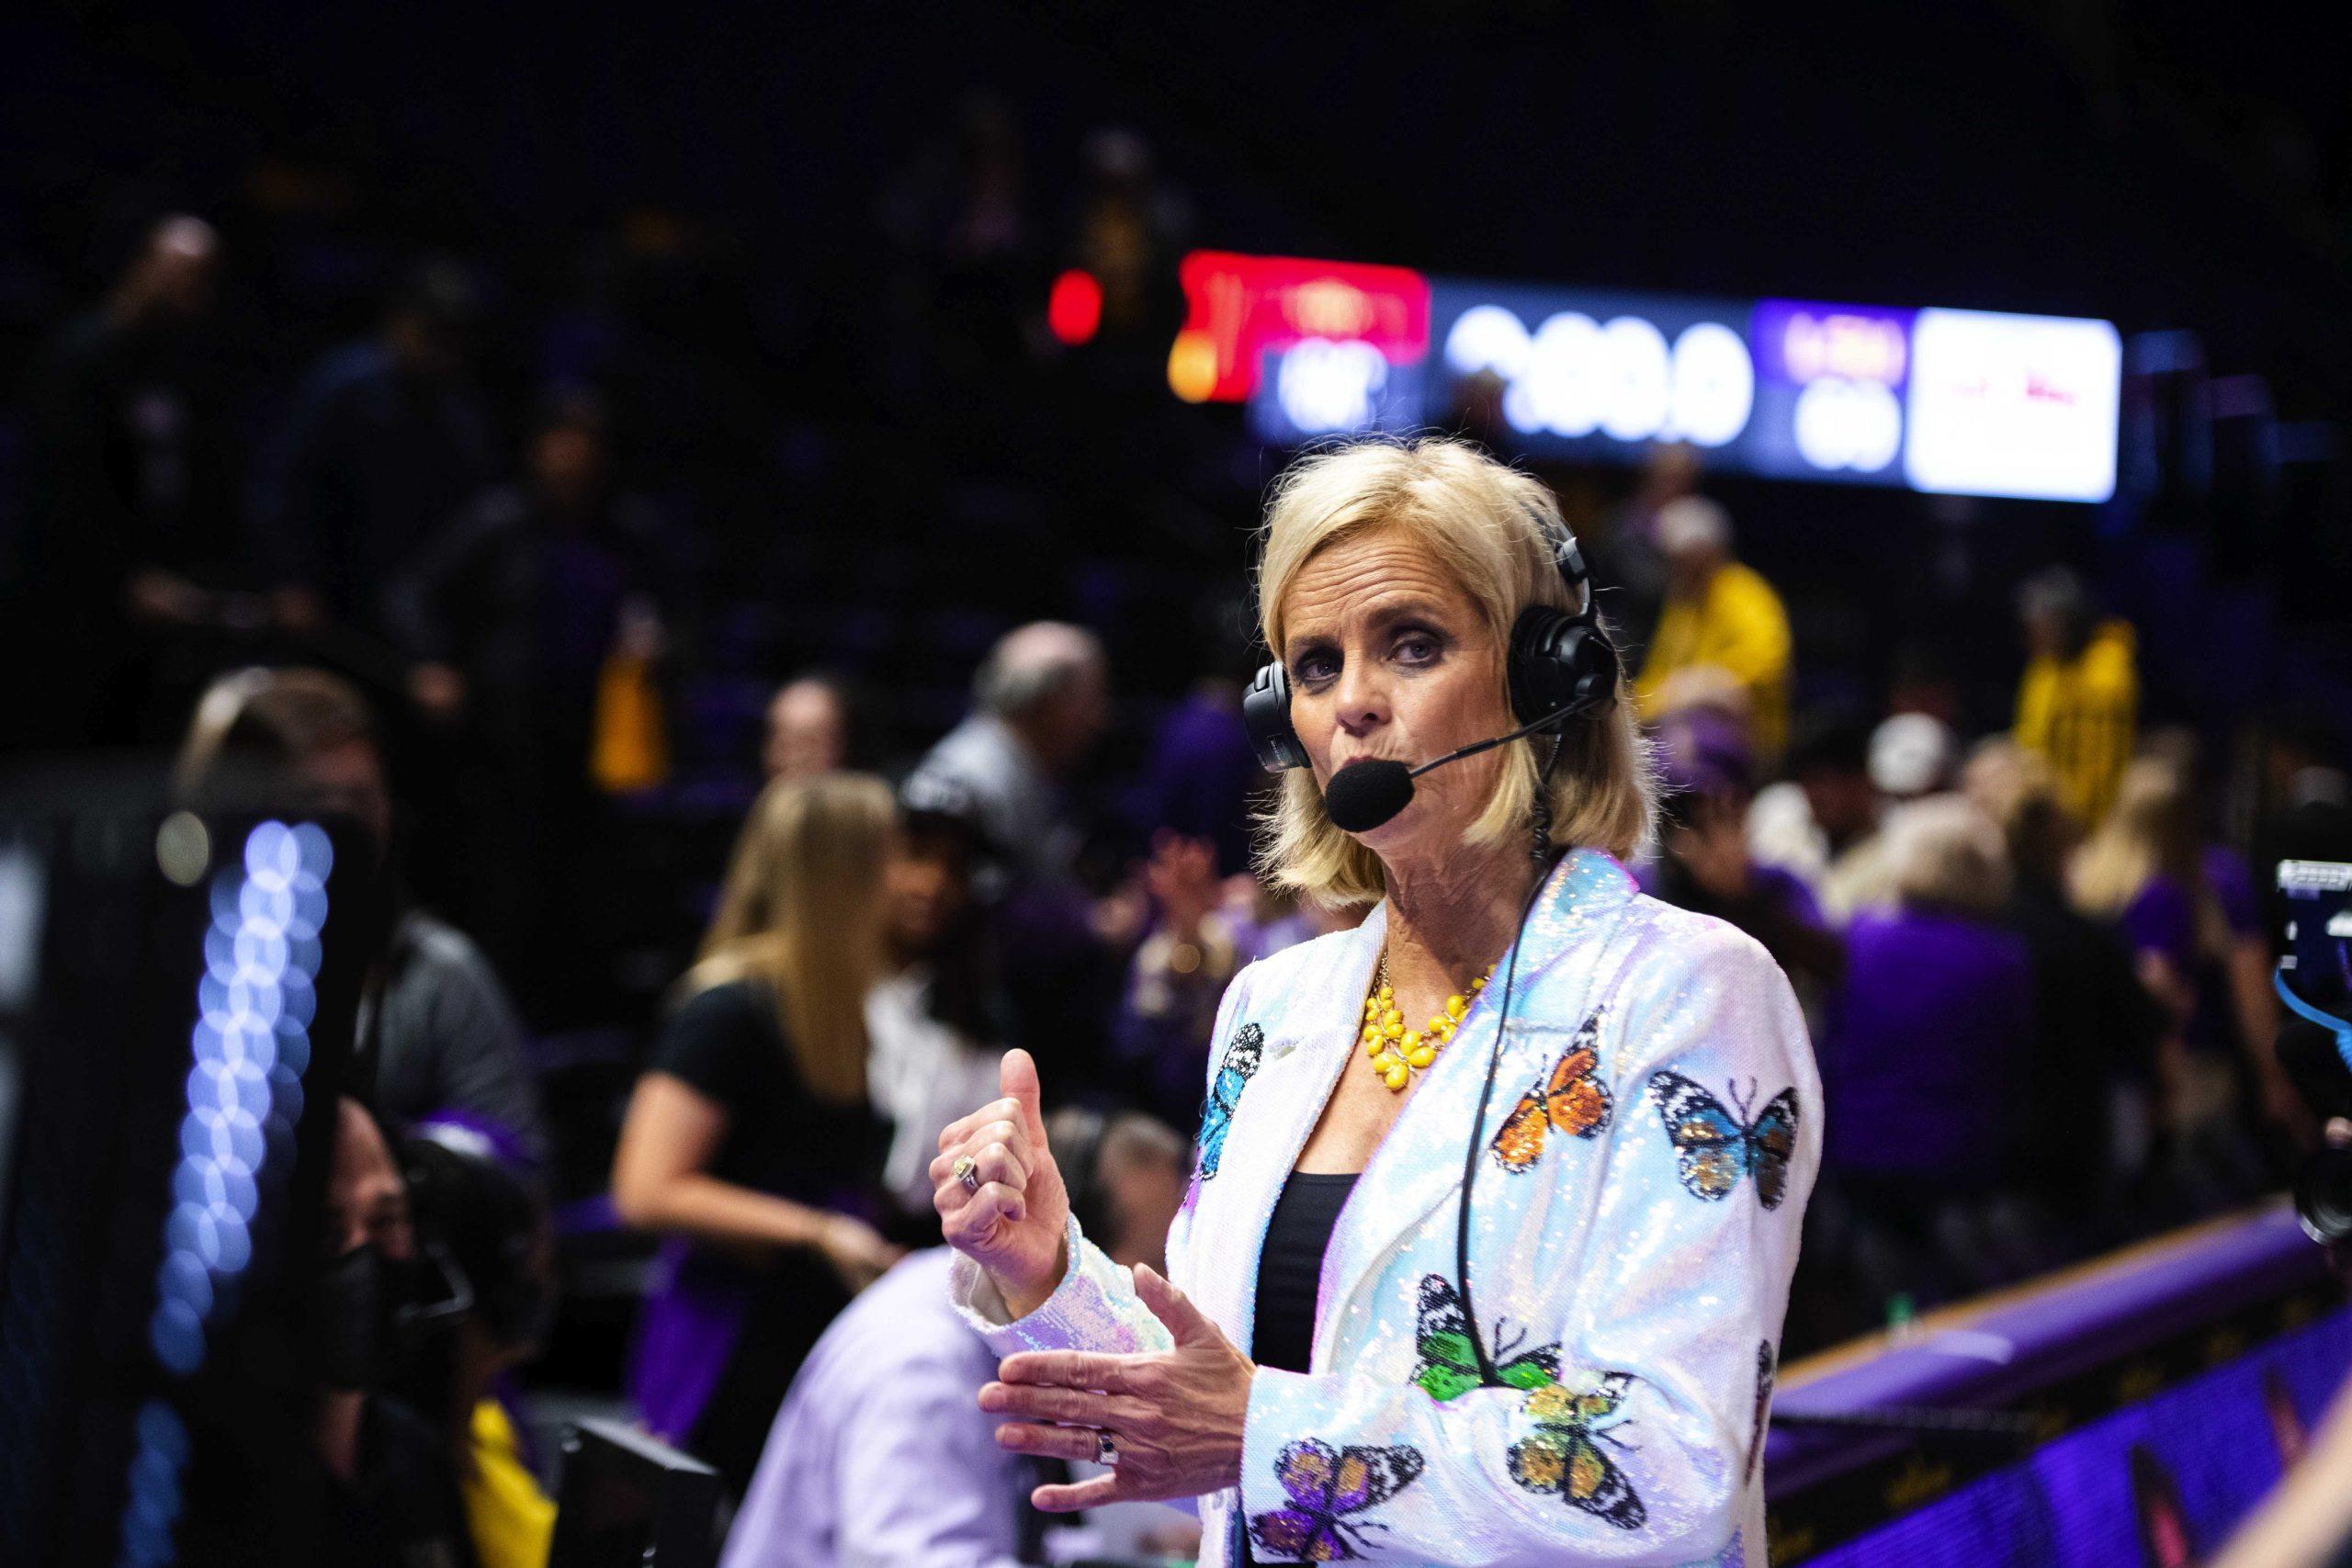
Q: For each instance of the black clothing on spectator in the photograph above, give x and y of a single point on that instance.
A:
(526, 603)
(437, 1033)
(1776, 912)
(401, 1507)
(373, 460)
(725, 1042)
(2095, 1026)
(526, 606)
(129, 468)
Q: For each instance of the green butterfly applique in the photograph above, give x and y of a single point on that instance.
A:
(1448, 1365)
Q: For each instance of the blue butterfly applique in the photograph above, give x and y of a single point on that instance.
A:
(1713, 1148)
(1224, 1095)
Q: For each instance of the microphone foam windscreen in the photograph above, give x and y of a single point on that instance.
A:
(1363, 795)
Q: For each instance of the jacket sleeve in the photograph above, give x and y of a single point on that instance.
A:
(1641, 1449)
(1095, 1307)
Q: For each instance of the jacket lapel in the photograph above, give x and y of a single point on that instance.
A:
(1418, 1164)
(1309, 1029)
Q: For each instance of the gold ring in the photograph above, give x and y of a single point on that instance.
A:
(968, 1171)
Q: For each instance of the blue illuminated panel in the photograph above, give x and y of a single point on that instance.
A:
(1830, 381)
(1595, 375)
(250, 1047)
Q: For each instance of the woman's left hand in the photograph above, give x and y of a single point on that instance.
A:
(1175, 1418)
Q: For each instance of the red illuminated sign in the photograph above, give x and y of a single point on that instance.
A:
(1240, 306)
(1074, 308)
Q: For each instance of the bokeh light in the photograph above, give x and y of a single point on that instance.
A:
(248, 1048)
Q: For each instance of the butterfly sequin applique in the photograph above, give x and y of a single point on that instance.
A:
(1713, 1148)
(1448, 1365)
(1573, 1099)
(1325, 1486)
(1568, 1453)
(1224, 1095)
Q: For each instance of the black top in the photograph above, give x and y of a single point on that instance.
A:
(726, 1044)
(2094, 1024)
(1291, 1265)
(401, 1506)
(1290, 1268)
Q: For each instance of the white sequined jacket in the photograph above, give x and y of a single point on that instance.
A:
(1653, 1138)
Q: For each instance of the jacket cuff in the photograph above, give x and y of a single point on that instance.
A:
(1275, 1410)
(1094, 1307)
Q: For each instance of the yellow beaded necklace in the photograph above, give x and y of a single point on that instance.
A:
(1396, 1052)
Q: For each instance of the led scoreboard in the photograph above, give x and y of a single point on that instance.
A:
(1966, 402)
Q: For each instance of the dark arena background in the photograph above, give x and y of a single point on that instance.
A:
(461, 467)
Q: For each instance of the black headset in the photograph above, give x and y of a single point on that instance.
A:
(1562, 664)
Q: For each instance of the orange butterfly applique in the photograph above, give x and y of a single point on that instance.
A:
(1573, 1099)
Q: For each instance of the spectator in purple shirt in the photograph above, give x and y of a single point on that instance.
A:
(1925, 1066)
(2189, 912)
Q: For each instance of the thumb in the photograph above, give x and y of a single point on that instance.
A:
(1017, 1078)
(1174, 1308)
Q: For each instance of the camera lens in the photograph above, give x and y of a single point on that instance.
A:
(2324, 1196)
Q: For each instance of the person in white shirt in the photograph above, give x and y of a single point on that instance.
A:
(929, 1022)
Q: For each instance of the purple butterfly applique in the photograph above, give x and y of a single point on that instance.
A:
(1324, 1486)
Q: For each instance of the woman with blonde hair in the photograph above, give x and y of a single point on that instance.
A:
(2193, 918)
(1445, 1288)
(2141, 870)
(750, 1144)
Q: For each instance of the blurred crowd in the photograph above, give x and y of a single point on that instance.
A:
(709, 986)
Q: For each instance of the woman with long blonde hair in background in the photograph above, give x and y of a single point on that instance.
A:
(2191, 918)
(750, 1144)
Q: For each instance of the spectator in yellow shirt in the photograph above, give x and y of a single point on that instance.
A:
(1718, 615)
(511, 1519)
(2078, 704)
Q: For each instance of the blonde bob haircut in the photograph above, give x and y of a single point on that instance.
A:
(1495, 531)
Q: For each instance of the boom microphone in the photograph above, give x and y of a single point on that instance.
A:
(1363, 795)
(1368, 795)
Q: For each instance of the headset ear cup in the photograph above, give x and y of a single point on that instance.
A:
(1597, 667)
(1559, 660)
(1265, 714)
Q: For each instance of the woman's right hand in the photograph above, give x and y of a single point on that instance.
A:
(859, 1252)
(1014, 1226)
